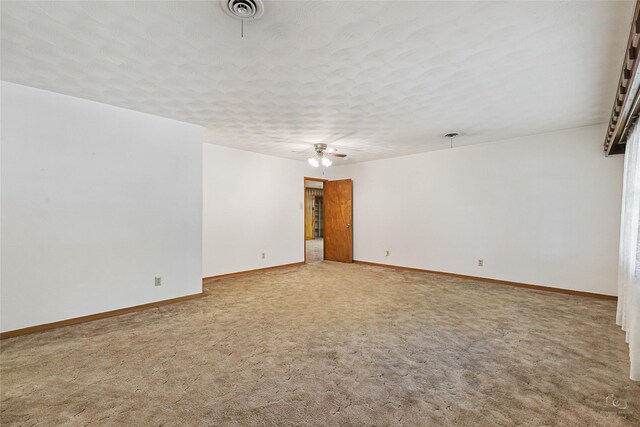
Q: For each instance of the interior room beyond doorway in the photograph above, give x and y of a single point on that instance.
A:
(314, 220)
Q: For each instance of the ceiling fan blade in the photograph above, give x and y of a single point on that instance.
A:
(329, 151)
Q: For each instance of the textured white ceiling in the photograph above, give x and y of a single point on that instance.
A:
(375, 79)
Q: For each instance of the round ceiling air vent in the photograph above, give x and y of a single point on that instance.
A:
(243, 9)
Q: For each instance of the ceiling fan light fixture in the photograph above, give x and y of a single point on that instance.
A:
(322, 155)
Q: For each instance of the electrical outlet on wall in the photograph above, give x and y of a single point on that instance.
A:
(158, 281)
(480, 263)
(386, 253)
(264, 255)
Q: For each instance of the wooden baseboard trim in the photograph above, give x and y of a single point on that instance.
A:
(91, 317)
(500, 282)
(257, 270)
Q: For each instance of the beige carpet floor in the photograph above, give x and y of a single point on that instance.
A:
(331, 344)
(315, 250)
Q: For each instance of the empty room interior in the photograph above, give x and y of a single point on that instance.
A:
(320, 213)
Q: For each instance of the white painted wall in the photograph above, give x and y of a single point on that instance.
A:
(252, 204)
(541, 209)
(96, 202)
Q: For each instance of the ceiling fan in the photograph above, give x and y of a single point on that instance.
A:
(322, 155)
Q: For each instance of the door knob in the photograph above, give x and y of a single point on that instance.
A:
(348, 225)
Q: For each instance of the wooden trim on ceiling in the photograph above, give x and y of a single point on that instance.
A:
(500, 282)
(626, 105)
(206, 280)
(91, 317)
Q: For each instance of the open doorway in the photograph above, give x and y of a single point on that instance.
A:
(328, 220)
(314, 219)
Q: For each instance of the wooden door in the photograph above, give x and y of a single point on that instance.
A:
(338, 220)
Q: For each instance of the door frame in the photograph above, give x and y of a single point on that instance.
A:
(304, 208)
